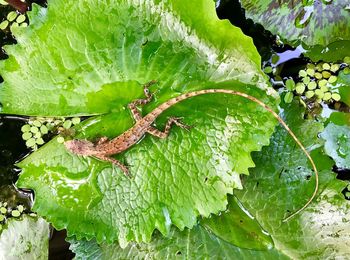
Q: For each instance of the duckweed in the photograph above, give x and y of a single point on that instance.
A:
(302, 73)
(324, 88)
(60, 139)
(268, 69)
(318, 75)
(309, 94)
(326, 74)
(332, 79)
(300, 88)
(4, 24)
(67, 124)
(316, 82)
(336, 97)
(8, 212)
(327, 96)
(306, 80)
(20, 208)
(15, 213)
(26, 136)
(312, 85)
(35, 130)
(288, 98)
(13, 19)
(75, 120)
(11, 16)
(44, 130)
(335, 67)
(326, 66)
(21, 18)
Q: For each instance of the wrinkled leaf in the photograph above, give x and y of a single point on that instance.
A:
(197, 243)
(27, 238)
(93, 198)
(238, 227)
(175, 179)
(322, 230)
(337, 144)
(92, 58)
(216, 237)
(313, 22)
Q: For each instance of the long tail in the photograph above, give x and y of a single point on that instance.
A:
(178, 99)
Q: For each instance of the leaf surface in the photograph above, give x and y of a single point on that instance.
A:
(337, 144)
(313, 22)
(27, 238)
(283, 183)
(213, 239)
(93, 57)
(197, 243)
(107, 52)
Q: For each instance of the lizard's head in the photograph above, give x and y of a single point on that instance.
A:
(80, 147)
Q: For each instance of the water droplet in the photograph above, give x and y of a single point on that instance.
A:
(327, 2)
(343, 146)
(347, 8)
(303, 18)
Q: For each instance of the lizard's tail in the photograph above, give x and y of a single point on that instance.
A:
(178, 99)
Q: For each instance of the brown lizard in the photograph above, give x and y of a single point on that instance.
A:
(104, 148)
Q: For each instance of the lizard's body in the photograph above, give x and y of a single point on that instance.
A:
(104, 148)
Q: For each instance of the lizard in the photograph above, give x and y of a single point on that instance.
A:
(104, 148)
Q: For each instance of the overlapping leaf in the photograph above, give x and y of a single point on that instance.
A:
(197, 243)
(313, 22)
(233, 234)
(93, 58)
(337, 144)
(27, 238)
(284, 182)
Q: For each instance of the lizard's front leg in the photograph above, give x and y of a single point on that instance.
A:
(172, 120)
(102, 140)
(133, 105)
(116, 162)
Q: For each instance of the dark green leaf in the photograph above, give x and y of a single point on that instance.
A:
(312, 22)
(284, 182)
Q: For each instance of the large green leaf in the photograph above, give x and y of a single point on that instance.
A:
(284, 182)
(313, 22)
(197, 243)
(337, 144)
(108, 50)
(93, 57)
(27, 238)
(231, 234)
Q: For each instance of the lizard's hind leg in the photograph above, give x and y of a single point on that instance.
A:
(133, 105)
(172, 120)
(115, 162)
